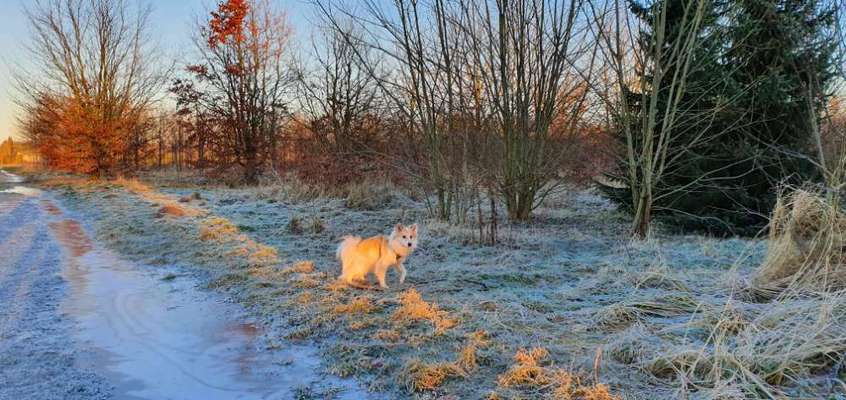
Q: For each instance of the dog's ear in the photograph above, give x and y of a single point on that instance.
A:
(413, 229)
(399, 228)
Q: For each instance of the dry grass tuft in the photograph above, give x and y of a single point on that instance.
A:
(149, 194)
(468, 356)
(623, 314)
(222, 230)
(301, 267)
(362, 323)
(369, 195)
(659, 277)
(263, 255)
(387, 335)
(217, 229)
(414, 308)
(527, 371)
(358, 305)
(595, 392)
(807, 232)
(569, 387)
(171, 210)
(774, 346)
(420, 376)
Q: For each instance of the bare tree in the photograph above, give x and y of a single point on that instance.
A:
(662, 67)
(338, 93)
(530, 52)
(243, 70)
(422, 43)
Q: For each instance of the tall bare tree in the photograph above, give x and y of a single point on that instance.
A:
(533, 55)
(422, 43)
(243, 68)
(337, 92)
(650, 144)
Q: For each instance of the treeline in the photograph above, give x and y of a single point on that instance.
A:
(693, 108)
(16, 153)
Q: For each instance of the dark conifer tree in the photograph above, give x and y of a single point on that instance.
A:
(743, 125)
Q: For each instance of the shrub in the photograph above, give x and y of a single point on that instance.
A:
(369, 195)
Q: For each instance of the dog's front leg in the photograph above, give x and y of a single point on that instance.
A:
(401, 269)
(380, 271)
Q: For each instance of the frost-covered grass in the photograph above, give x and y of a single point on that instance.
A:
(571, 289)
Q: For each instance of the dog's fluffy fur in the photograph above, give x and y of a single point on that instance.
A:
(376, 255)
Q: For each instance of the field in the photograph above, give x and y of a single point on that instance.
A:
(565, 307)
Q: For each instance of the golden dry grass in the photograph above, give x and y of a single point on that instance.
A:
(222, 230)
(807, 232)
(170, 210)
(301, 267)
(569, 387)
(260, 254)
(414, 308)
(358, 305)
(420, 376)
(468, 356)
(149, 194)
(527, 370)
(218, 229)
(530, 370)
(362, 323)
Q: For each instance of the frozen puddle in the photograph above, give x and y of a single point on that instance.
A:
(157, 337)
(6, 177)
(22, 190)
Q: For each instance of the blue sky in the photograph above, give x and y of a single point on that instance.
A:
(172, 20)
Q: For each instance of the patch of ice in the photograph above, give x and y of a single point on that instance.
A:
(23, 190)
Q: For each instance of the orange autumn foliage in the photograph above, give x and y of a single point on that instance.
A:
(228, 22)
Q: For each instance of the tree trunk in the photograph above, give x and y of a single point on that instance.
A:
(643, 217)
(251, 170)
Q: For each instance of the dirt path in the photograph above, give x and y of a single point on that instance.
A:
(37, 357)
(79, 322)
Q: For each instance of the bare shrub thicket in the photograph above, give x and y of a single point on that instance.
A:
(488, 92)
(340, 110)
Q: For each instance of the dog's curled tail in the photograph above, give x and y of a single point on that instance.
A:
(348, 242)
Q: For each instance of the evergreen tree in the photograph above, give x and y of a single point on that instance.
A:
(743, 125)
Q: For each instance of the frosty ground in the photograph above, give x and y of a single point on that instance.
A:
(560, 308)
